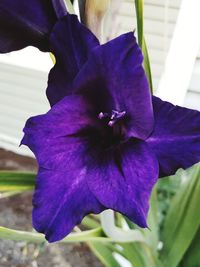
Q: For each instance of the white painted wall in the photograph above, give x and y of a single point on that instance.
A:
(23, 80)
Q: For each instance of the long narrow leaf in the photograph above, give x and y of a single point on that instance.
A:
(16, 181)
(151, 234)
(104, 253)
(182, 220)
(139, 7)
(147, 65)
(140, 255)
(192, 256)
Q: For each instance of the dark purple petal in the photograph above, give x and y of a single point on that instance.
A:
(49, 136)
(176, 137)
(71, 43)
(114, 78)
(122, 179)
(24, 23)
(62, 199)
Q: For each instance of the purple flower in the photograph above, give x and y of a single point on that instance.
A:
(106, 140)
(24, 23)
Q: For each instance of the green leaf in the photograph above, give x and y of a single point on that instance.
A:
(140, 255)
(90, 222)
(192, 256)
(182, 220)
(16, 181)
(104, 253)
(147, 65)
(151, 234)
(139, 7)
(85, 236)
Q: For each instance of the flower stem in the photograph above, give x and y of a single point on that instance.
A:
(139, 7)
(16, 235)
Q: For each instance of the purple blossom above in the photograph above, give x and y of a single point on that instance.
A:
(106, 140)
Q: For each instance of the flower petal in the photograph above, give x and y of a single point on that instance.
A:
(122, 179)
(24, 23)
(50, 137)
(176, 136)
(71, 43)
(114, 75)
(62, 199)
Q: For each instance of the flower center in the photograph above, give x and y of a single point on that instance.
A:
(112, 117)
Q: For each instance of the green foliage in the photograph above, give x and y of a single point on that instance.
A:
(174, 222)
(192, 256)
(182, 220)
(139, 6)
(105, 253)
(16, 181)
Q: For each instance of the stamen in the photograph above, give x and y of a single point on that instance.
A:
(103, 115)
(111, 123)
(114, 116)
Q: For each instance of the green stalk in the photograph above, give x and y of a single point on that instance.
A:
(12, 181)
(85, 236)
(139, 7)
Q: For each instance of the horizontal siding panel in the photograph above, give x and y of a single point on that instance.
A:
(171, 3)
(14, 132)
(22, 76)
(128, 23)
(156, 56)
(23, 103)
(22, 95)
(14, 90)
(192, 100)
(11, 146)
(157, 42)
(153, 12)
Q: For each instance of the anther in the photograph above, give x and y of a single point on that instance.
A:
(113, 117)
(103, 115)
(116, 115)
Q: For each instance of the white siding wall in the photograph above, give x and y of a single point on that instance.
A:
(192, 98)
(22, 94)
(159, 22)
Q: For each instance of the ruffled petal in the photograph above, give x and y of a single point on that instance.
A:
(122, 179)
(115, 79)
(176, 137)
(50, 136)
(62, 199)
(24, 23)
(71, 43)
